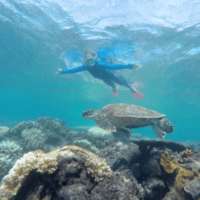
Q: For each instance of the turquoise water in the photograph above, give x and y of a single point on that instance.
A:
(38, 37)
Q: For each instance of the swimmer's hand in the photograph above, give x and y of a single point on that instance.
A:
(59, 72)
(135, 66)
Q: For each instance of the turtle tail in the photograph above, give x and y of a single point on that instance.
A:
(166, 125)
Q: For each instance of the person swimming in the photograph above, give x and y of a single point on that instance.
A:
(101, 70)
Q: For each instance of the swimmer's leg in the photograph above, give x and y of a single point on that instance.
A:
(121, 81)
(112, 84)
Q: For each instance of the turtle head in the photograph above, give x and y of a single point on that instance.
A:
(90, 114)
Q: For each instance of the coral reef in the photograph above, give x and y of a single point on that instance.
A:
(37, 161)
(182, 172)
(146, 166)
(86, 145)
(17, 175)
(192, 147)
(136, 136)
(10, 147)
(98, 169)
(123, 166)
(48, 126)
(78, 177)
(4, 130)
(154, 188)
(98, 133)
(122, 134)
(38, 134)
(192, 188)
(116, 172)
(33, 138)
(95, 165)
(146, 145)
(48, 133)
(83, 143)
(101, 138)
(119, 144)
(45, 123)
(9, 153)
(120, 156)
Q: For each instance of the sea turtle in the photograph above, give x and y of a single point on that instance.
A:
(120, 115)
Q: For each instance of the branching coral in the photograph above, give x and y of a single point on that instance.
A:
(10, 147)
(9, 153)
(50, 124)
(19, 128)
(4, 130)
(6, 163)
(83, 143)
(33, 138)
(86, 145)
(35, 133)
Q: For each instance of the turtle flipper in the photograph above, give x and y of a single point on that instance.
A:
(166, 125)
(103, 123)
(158, 131)
(124, 131)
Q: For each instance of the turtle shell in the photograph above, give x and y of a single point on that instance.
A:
(131, 111)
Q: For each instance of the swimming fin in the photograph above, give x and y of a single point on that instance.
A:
(115, 94)
(137, 95)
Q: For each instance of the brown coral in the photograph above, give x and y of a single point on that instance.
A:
(180, 174)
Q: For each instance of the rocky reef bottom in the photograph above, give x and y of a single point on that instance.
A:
(94, 165)
(143, 170)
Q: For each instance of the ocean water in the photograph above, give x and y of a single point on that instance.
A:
(38, 37)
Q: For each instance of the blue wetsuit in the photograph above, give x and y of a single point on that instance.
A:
(101, 70)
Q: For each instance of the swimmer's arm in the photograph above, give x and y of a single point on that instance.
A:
(110, 66)
(74, 70)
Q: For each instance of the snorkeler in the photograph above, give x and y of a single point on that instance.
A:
(101, 70)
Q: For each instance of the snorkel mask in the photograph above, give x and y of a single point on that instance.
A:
(89, 58)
